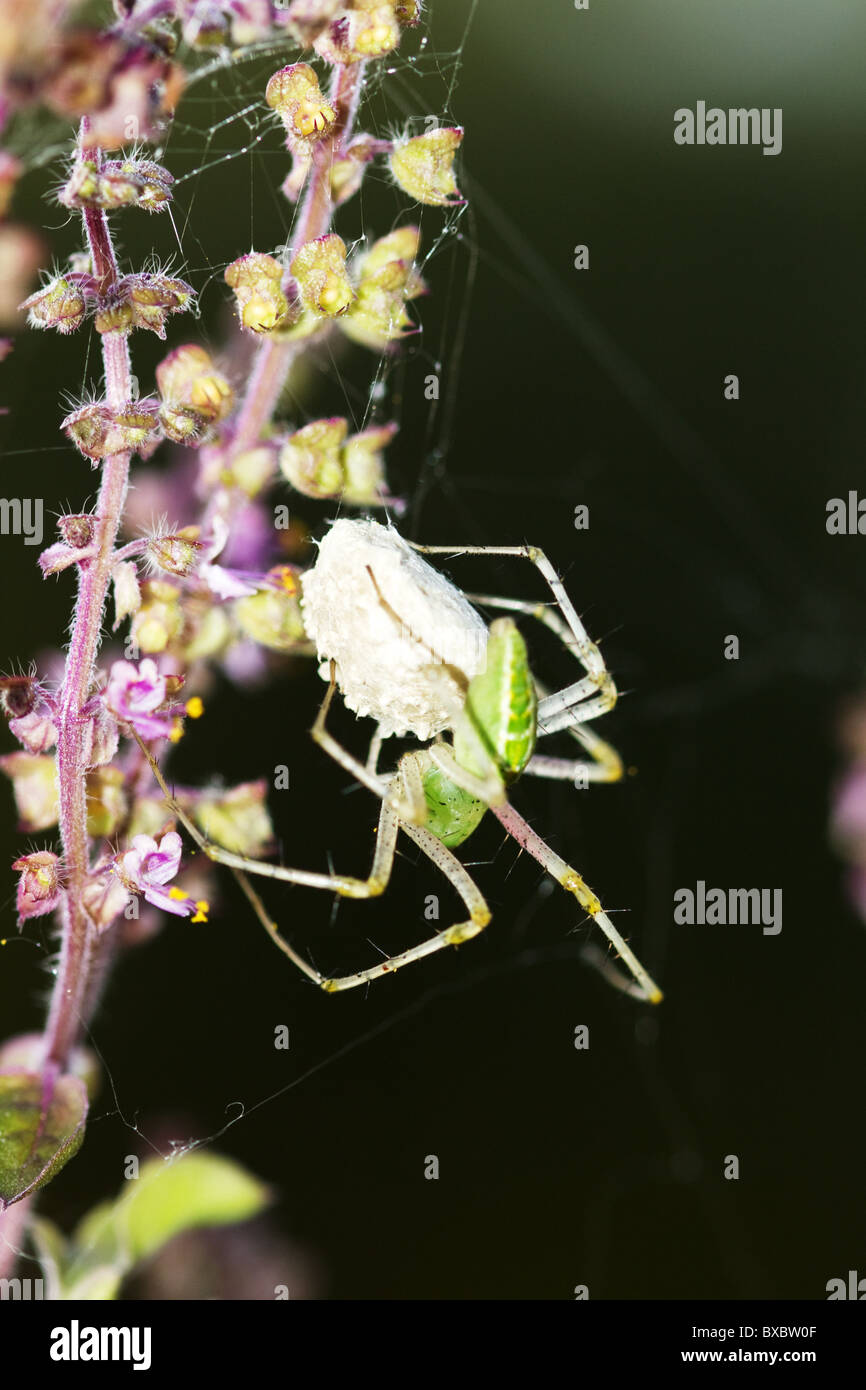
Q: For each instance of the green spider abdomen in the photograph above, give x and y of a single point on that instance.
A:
(452, 814)
(502, 704)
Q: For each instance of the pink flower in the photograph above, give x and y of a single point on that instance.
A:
(135, 693)
(147, 867)
(225, 583)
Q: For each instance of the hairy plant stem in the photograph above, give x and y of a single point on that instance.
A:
(66, 1015)
(274, 359)
(82, 962)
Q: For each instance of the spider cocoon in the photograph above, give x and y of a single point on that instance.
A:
(400, 633)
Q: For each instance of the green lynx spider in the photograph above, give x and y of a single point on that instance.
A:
(438, 794)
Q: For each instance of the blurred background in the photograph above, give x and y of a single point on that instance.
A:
(557, 1167)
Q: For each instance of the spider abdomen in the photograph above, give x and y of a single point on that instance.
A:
(501, 703)
(452, 814)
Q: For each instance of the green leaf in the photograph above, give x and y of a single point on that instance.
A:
(167, 1198)
(40, 1130)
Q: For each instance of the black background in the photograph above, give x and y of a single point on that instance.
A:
(558, 1167)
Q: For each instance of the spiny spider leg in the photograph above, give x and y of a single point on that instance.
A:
(578, 641)
(607, 764)
(644, 987)
(380, 873)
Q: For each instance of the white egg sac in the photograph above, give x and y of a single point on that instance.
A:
(400, 633)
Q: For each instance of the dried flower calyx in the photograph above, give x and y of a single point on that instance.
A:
(423, 166)
(142, 301)
(294, 93)
(135, 301)
(117, 183)
(194, 394)
(320, 461)
(100, 430)
(257, 280)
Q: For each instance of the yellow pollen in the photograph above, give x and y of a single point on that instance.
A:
(177, 894)
(202, 909)
(195, 707)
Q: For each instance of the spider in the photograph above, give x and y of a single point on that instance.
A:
(404, 646)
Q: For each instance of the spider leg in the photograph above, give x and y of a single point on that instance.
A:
(380, 873)
(455, 935)
(606, 765)
(445, 861)
(643, 986)
(343, 884)
(572, 633)
(564, 700)
(374, 752)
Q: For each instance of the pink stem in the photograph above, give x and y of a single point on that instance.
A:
(65, 1019)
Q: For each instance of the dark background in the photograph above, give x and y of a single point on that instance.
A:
(707, 518)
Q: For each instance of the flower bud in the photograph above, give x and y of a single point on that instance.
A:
(387, 279)
(408, 12)
(59, 304)
(253, 469)
(106, 801)
(311, 461)
(257, 282)
(294, 93)
(206, 26)
(34, 786)
(365, 468)
(176, 553)
(320, 271)
(237, 819)
(194, 393)
(99, 431)
(77, 530)
(308, 18)
(39, 886)
(422, 166)
(206, 631)
(368, 31)
(127, 593)
(159, 620)
(272, 617)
